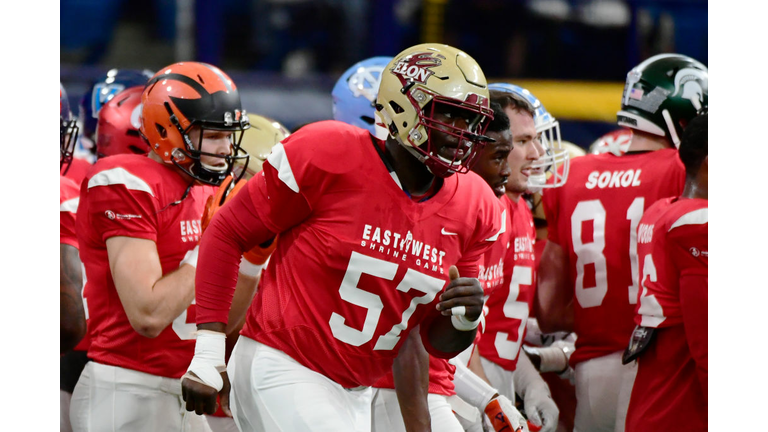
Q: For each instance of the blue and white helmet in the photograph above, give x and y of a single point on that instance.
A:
(354, 95)
(551, 170)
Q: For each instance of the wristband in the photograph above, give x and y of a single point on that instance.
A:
(191, 257)
(250, 269)
(208, 361)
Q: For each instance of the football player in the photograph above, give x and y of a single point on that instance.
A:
(400, 237)
(449, 379)
(589, 269)
(102, 91)
(138, 227)
(257, 141)
(394, 395)
(72, 314)
(535, 150)
(549, 352)
(117, 129)
(670, 342)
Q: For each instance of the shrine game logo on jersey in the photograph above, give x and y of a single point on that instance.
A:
(418, 67)
(403, 246)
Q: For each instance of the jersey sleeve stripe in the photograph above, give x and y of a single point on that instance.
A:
(70, 205)
(696, 217)
(503, 228)
(279, 160)
(116, 176)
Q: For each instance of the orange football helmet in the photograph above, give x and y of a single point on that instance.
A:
(186, 95)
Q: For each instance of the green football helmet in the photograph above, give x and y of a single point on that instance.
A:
(662, 94)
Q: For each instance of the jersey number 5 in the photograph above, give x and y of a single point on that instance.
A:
(514, 309)
(360, 264)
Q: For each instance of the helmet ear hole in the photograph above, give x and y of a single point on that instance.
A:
(161, 131)
(397, 108)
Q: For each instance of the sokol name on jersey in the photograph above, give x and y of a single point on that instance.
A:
(613, 179)
(399, 246)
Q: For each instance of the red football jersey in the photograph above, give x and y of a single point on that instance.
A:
(594, 218)
(77, 170)
(135, 196)
(69, 196)
(69, 199)
(364, 263)
(492, 266)
(668, 392)
(510, 304)
(491, 276)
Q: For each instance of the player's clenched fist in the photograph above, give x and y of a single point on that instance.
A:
(463, 299)
(207, 375)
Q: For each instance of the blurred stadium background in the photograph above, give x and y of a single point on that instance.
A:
(285, 55)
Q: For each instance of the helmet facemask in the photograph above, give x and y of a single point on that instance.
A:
(68, 138)
(551, 169)
(471, 140)
(199, 170)
(417, 88)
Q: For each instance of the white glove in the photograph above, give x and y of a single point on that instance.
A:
(504, 416)
(539, 406)
(541, 409)
(478, 393)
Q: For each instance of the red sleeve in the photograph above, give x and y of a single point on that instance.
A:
(280, 208)
(487, 230)
(693, 302)
(67, 228)
(116, 210)
(690, 255)
(69, 196)
(267, 206)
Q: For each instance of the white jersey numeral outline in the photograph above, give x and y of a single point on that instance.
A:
(592, 253)
(505, 348)
(360, 264)
(183, 329)
(650, 310)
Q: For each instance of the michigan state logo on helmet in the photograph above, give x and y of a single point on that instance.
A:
(662, 94)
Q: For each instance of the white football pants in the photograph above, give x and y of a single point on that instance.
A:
(271, 392)
(109, 398)
(388, 418)
(221, 424)
(500, 378)
(603, 388)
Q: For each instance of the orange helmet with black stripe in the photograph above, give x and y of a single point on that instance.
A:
(186, 95)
